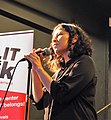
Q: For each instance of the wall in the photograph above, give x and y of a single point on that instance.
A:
(108, 34)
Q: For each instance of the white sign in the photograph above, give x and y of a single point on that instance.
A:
(13, 46)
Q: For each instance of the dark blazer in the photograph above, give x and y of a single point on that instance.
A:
(72, 95)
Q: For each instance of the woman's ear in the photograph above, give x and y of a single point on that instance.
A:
(75, 38)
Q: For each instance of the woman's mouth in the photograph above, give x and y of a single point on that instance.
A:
(54, 45)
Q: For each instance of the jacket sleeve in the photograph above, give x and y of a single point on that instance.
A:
(43, 102)
(71, 85)
(46, 98)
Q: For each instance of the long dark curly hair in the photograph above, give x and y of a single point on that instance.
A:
(82, 46)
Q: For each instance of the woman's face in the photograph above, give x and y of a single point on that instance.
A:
(60, 39)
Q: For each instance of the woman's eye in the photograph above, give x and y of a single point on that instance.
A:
(59, 34)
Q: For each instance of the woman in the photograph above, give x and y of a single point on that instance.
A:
(70, 93)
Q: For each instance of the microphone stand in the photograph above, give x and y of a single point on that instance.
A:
(28, 86)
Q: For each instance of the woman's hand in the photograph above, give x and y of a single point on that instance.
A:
(35, 59)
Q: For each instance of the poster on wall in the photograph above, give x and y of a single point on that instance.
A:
(13, 47)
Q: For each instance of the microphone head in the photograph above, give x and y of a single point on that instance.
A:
(46, 52)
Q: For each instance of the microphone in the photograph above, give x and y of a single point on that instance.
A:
(44, 52)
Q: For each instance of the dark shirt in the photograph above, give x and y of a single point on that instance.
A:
(72, 95)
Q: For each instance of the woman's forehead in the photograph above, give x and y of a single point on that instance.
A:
(58, 29)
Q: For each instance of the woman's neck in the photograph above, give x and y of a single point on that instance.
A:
(66, 58)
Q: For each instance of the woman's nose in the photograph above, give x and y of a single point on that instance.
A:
(54, 39)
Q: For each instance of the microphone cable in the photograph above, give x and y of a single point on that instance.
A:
(23, 59)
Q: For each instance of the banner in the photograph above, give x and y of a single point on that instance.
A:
(13, 46)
